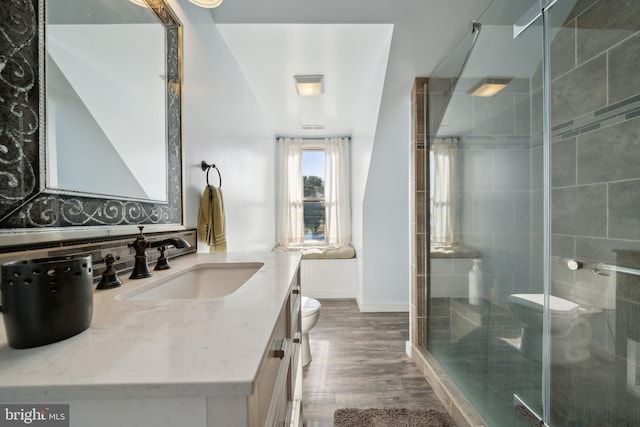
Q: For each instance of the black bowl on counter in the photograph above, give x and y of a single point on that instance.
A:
(46, 300)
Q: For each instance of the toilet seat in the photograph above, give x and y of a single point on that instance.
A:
(557, 306)
(310, 306)
(310, 315)
(570, 332)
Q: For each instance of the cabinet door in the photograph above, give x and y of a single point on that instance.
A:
(276, 400)
(274, 358)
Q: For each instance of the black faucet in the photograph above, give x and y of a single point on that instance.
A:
(140, 245)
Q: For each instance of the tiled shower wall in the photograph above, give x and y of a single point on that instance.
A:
(595, 111)
(493, 188)
(494, 196)
(457, 406)
(495, 191)
(596, 178)
(595, 131)
(419, 227)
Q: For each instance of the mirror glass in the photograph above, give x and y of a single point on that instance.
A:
(105, 90)
(91, 125)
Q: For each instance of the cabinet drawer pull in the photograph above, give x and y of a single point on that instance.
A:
(295, 291)
(282, 349)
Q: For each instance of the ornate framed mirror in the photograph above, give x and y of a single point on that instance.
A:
(90, 122)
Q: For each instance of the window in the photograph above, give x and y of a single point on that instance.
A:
(443, 204)
(314, 206)
(313, 195)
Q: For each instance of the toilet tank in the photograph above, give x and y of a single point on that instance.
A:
(584, 286)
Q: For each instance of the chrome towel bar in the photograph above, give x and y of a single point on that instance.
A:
(596, 267)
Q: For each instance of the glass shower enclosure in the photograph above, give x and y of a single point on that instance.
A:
(533, 270)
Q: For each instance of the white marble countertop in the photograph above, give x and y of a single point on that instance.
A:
(165, 348)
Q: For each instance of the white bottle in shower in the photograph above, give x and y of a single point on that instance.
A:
(475, 283)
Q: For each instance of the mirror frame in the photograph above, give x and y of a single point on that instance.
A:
(30, 212)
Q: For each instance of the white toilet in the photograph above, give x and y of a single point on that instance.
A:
(570, 331)
(578, 296)
(310, 315)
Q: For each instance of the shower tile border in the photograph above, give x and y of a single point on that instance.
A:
(627, 109)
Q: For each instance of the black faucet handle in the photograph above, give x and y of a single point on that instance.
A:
(110, 277)
(109, 259)
(141, 243)
(163, 262)
(139, 236)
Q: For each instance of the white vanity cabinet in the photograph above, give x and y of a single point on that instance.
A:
(226, 362)
(276, 400)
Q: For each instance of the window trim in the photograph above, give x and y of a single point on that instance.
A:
(338, 220)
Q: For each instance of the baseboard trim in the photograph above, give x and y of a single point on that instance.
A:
(383, 307)
(330, 294)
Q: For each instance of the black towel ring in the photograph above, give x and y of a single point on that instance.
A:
(207, 167)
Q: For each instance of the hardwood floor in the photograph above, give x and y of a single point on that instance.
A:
(359, 360)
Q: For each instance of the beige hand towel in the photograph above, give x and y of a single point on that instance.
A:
(211, 220)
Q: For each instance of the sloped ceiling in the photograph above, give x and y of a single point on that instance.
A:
(347, 41)
(347, 55)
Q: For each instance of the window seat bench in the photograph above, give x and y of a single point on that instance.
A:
(327, 272)
(321, 252)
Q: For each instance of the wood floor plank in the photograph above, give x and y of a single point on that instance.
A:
(359, 361)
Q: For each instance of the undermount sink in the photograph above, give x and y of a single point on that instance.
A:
(212, 280)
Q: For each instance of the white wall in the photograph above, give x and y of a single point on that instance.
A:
(385, 269)
(223, 124)
(362, 143)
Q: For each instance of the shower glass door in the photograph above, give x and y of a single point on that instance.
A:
(487, 215)
(533, 293)
(595, 211)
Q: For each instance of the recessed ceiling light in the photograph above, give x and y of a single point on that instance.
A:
(489, 86)
(309, 85)
(209, 4)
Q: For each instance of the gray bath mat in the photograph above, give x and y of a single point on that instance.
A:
(391, 417)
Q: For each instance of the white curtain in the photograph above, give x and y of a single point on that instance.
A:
(290, 207)
(444, 230)
(336, 192)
